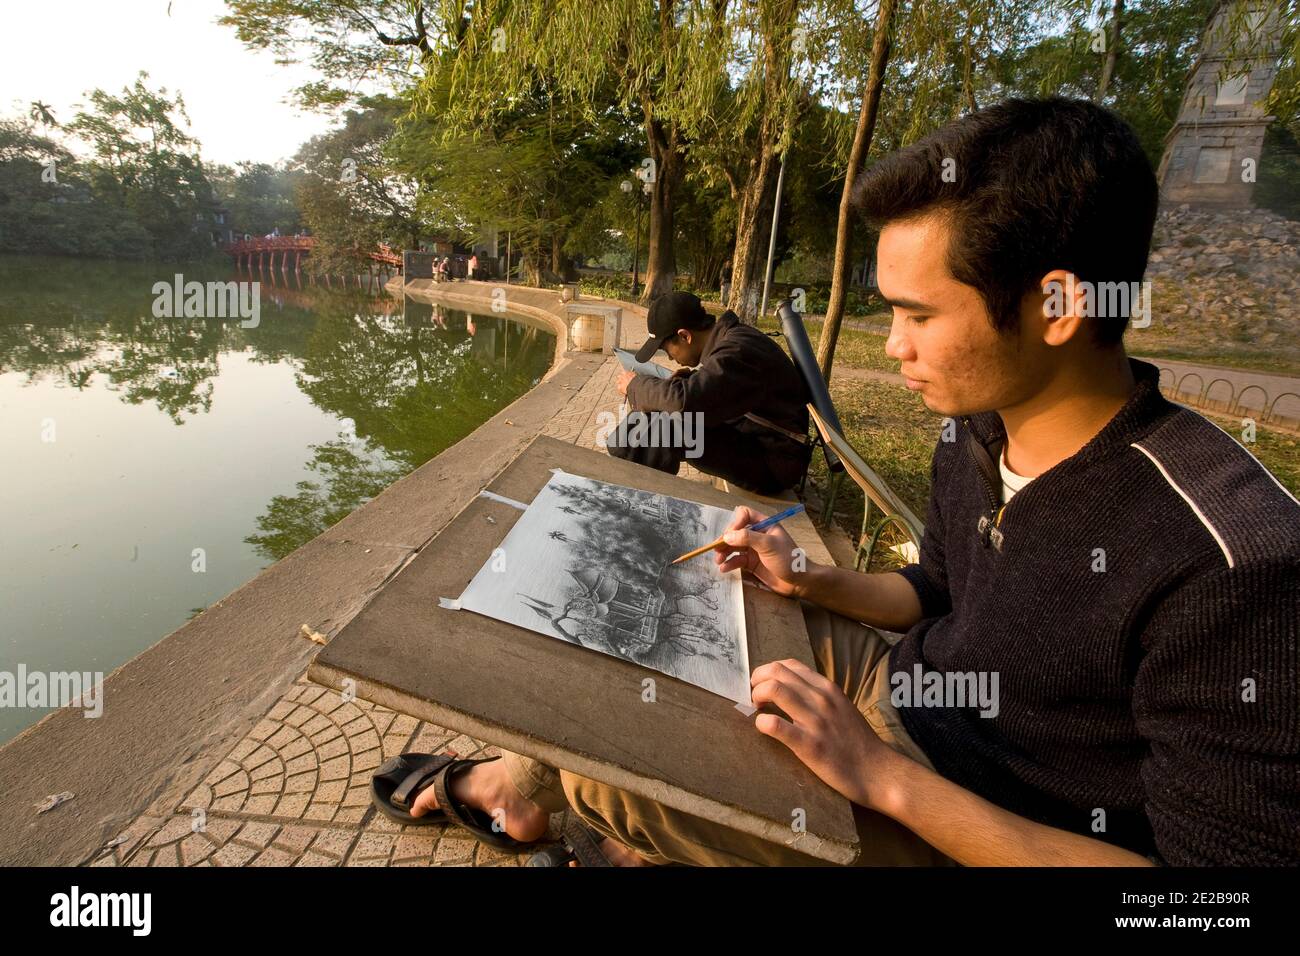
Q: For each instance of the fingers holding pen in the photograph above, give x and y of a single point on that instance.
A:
(734, 551)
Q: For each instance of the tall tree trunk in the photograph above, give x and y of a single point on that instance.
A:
(669, 155)
(531, 260)
(753, 224)
(561, 264)
(1112, 51)
(757, 195)
(880, 48)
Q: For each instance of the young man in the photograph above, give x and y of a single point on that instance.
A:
(738, 408)
(1126, 570)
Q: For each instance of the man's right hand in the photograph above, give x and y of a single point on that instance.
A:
(768, 555)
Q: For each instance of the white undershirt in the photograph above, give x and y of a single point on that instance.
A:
(1011, 482)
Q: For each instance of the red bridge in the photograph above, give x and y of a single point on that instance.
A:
(244, 251)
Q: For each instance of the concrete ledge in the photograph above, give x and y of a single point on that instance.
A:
(544, 304)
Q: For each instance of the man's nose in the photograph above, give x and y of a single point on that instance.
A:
(898, 346)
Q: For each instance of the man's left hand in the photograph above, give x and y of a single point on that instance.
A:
(826, 731)
(624, 377)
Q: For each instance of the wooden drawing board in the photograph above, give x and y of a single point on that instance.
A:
(574, 708)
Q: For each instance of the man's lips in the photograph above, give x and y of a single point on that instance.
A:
(912, 383)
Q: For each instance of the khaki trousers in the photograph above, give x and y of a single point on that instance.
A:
(855, 657)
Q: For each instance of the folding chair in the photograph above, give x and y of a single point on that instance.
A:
(805, 361)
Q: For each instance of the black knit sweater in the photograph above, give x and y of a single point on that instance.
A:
(1164, 690)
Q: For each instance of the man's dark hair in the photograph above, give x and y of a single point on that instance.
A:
(1037, 185)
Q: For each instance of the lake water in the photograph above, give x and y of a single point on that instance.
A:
(153, 465)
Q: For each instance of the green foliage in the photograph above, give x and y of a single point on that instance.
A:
(148, 168)
(259, 197)
(143, 193)
(540, 170)
(1158, 44)
(1279, 171)
(706, 228)
(351, 194)
(347, 43)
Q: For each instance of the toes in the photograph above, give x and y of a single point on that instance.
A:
(424, 803)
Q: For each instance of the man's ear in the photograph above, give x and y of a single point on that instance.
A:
(685, 335)
(1063, 306)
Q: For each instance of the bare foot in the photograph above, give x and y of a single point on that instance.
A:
(619, 855)
(487, 787)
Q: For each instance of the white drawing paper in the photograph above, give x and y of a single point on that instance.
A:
(589, 563)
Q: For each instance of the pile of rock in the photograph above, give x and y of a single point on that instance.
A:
(1249, 243)
(1225, 281)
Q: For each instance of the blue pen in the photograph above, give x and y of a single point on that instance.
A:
(756, 526)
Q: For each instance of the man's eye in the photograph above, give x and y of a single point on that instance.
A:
(918, 319)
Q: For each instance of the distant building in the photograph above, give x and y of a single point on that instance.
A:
(488, 245)
(1212, 153)
(217, 222)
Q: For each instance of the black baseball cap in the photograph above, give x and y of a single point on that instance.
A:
(668, 313)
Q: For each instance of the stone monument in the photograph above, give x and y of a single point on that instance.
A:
(1212, 153)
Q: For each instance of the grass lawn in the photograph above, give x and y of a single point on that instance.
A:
(1253, 362)
(855, 348)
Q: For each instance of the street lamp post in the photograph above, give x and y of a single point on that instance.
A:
(626, 186)
(771, 240)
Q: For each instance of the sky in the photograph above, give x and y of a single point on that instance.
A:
(239, 101)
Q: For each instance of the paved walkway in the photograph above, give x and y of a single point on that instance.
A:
(295, 790)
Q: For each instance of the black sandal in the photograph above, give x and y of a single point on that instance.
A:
(397, 783)
(399, 780)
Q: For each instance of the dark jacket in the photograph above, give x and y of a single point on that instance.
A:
(1139, 603)
(742, 371)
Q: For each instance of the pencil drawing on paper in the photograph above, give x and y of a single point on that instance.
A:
(589, 563)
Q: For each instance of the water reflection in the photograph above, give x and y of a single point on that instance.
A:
(247, 442)
(412, 385)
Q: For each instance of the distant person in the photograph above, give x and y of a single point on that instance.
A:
(747, 400)
(725, 282)
(473, 264)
